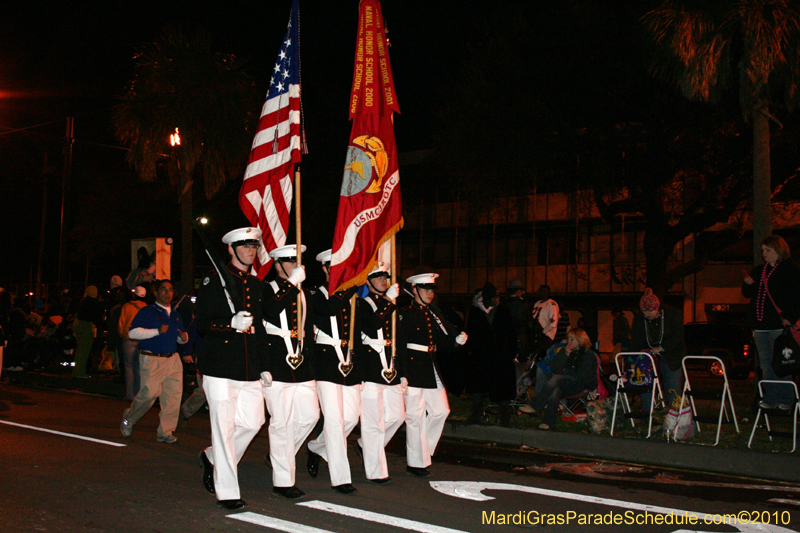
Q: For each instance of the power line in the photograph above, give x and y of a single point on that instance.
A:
(26, 127)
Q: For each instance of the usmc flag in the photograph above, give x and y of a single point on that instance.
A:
(370, 211)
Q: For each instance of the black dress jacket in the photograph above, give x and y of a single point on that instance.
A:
(226, 353)
(284, 301)
(324, 357)
(423, 326)
(370, 321)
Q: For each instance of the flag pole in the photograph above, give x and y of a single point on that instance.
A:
(394, 313)
(352, 321)
(299, 253)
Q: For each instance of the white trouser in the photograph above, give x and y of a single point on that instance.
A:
(341, 407)
(426, 413)
(236, 410)
(382, 414)
(294, 410)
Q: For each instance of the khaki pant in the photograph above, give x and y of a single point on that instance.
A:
(162, 378)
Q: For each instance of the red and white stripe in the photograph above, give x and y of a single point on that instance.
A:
(266, 194)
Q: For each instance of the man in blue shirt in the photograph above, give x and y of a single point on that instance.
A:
(158, 329)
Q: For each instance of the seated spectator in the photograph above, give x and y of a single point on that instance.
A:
(574, 368)
(659, 330)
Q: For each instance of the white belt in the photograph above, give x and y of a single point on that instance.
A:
(379, 345)
(375, 344)
(420, 347)
(285, 333)
(345, 364)
(324, 338)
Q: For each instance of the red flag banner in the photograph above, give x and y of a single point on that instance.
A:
(370, 210)
(266, 194)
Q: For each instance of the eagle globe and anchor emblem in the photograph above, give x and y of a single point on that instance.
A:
(367, 154)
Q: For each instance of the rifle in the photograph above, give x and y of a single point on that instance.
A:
(225, 277)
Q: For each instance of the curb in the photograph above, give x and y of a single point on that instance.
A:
(732, 462)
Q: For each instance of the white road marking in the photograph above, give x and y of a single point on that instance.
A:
(72, 435)
(786, 501)
(379, 518)
(471, 490)
(598, 471)
(275, 523)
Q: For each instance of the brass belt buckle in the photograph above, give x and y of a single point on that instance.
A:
(344, 344)
(388, 342)
(431, 348)
(294, 333)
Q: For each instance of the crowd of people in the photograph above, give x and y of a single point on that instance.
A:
(307, 359)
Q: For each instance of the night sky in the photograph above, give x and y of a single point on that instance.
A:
(75, 59)
(570, 64)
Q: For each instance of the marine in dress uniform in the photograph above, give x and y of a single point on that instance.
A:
(338, 381)
(422, 331)
(158, 329)
(292, 395)
(382, 406)
(231, 360)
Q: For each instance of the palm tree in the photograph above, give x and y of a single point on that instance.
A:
(752, 45)
(181, 86)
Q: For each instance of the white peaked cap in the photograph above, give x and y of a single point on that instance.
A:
(325, 257)
(286, 251)
(242, 235)
(381, 267)
(423, 279)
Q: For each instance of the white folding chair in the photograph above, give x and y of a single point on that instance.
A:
(793, 412)
(624, 362)
(724, 395)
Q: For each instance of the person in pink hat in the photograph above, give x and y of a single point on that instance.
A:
(659, 330)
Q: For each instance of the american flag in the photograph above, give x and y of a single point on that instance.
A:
(266, 194)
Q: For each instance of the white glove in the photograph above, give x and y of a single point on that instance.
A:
(298, 275)
(266, 379)
(461, 339)
(242, 321)
(404, 385)
(393, 292)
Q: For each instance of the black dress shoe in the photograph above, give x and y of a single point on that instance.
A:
(231, 505)
(208, 472)
(419, 472)
(347, 488)
(312, 465)
(289, 492)
(381, 481)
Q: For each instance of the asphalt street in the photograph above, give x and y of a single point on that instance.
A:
(66, 467)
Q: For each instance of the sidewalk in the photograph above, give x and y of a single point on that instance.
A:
(718, 460)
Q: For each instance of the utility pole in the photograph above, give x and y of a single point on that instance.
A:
(65, 178)
(45, 171)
